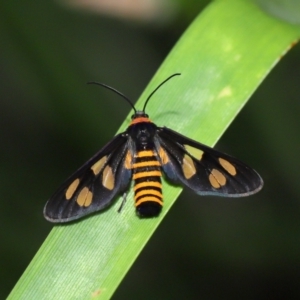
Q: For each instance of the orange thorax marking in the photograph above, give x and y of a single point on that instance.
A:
(140, 120)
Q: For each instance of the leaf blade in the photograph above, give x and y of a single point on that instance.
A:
(89, 258)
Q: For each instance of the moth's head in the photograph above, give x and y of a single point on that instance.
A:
(139, 114)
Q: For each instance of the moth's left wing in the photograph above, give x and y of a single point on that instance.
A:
(203, 169)
(93, 186)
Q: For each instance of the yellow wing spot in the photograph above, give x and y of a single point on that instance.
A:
(97, 167)
(148, 192)
(147, 184)
(128, 160)
(217, 179)
(146, 174)
(108, 179)
(149, 199)
(228, 166)
(88, 199)
(197, 153)
(85, 197)
(72, 188)
(145, 153)
(163, 156)
(188, 167)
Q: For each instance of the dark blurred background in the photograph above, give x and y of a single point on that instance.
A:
(51, 122)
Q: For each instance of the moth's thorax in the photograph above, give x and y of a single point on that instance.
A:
(141, 130)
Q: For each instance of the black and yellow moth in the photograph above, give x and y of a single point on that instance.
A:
(143, 153)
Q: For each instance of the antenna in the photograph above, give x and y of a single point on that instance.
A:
(146, 102)
(127, 99)
(114, 90)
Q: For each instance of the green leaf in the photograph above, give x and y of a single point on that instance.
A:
(223, 56)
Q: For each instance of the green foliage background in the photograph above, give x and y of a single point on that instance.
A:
(51, 122)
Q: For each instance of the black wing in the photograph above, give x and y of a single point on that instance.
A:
(203, 169)
(93, 186)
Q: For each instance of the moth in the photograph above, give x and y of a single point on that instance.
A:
(144, 153)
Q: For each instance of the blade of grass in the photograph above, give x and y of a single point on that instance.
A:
(223, 56)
